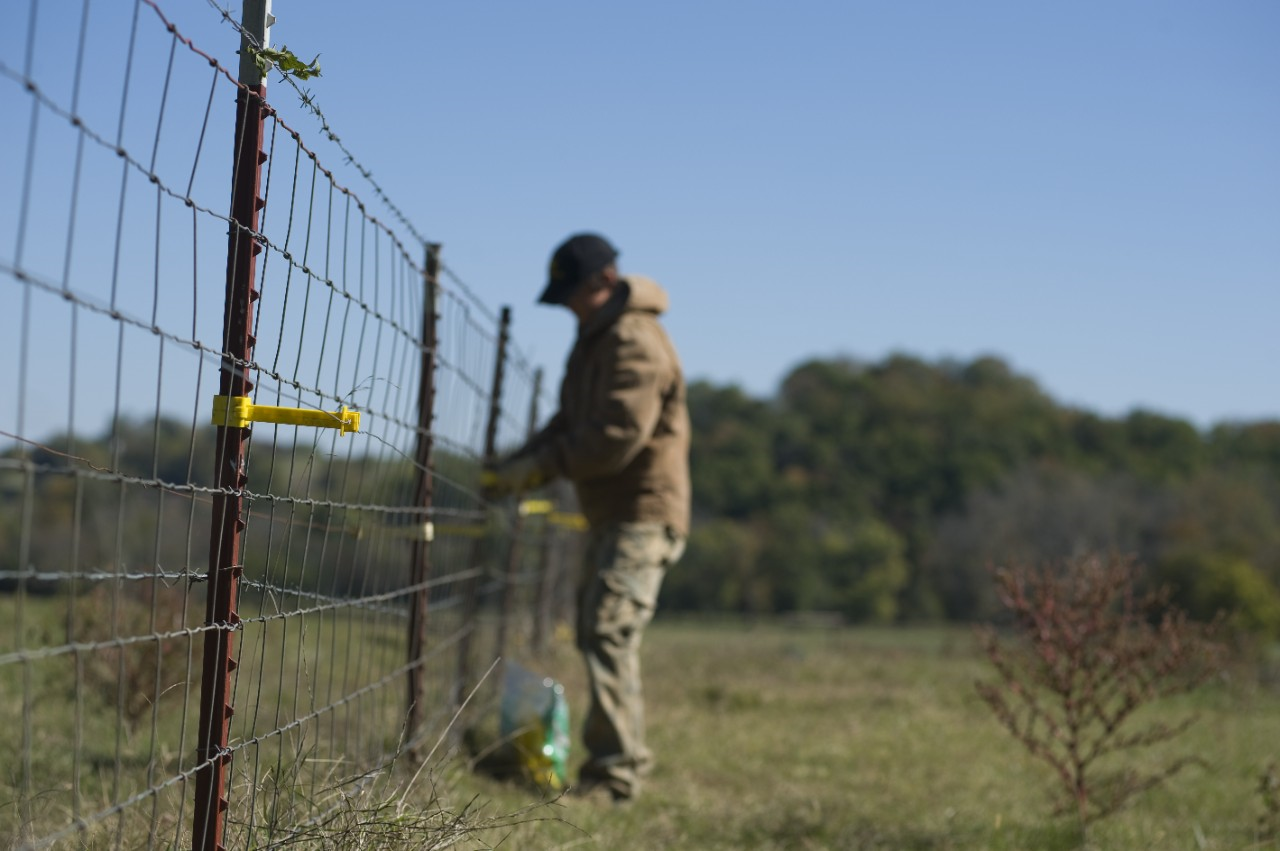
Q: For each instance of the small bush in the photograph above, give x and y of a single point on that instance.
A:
(1204, 585)
(1090, 653)
(1269, 790)
(132, 675)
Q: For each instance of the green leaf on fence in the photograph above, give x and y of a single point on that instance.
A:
(286, 61)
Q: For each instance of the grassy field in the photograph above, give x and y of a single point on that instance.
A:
(779, 738)
(317, 698)
(773, 737)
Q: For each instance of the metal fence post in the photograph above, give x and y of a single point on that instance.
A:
(420, 559)
(548, 570)
(225, 564)
(516, 551)
(471, 592)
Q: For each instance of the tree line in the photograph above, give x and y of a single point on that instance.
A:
(876, 492)
(885, 492)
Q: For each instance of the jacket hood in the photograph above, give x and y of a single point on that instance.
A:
(636, 293)
(645, 294)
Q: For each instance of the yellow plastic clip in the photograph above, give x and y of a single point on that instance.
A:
(536, 506)
(569, 521)
(555, 518)
(425, 532)
(239, 411)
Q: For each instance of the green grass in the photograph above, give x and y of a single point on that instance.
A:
(68, 751)
(771, 738)
(768, 737)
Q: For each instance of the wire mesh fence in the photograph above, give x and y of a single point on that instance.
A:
(221, 612)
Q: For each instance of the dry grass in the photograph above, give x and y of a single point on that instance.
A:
(774, 738)
(781, 738)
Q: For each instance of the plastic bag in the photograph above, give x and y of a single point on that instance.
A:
(535, 719)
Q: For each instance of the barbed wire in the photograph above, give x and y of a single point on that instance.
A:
(311, 105)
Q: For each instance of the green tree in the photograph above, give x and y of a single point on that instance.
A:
(864, 565)
(719, 571)
(1206, 585)
(732, 458)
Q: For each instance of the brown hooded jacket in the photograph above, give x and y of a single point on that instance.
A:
(622, 432)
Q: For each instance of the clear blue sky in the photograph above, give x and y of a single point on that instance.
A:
(1090, 190)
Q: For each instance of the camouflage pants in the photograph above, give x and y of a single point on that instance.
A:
(622, 573)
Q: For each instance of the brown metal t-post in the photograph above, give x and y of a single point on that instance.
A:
(420, 559)
(495, 398)
(542, 613)
(225, 564)
(516, 550)
(471, 592)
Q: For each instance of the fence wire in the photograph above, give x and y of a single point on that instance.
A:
(114, 183)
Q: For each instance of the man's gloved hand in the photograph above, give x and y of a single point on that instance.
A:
(512, 475)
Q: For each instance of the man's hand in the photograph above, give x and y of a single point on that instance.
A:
(512, 475)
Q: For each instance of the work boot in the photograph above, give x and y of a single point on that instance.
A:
(599, 791)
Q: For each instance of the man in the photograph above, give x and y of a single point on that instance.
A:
(621, 436)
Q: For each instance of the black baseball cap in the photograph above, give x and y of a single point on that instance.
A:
(574, 261)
